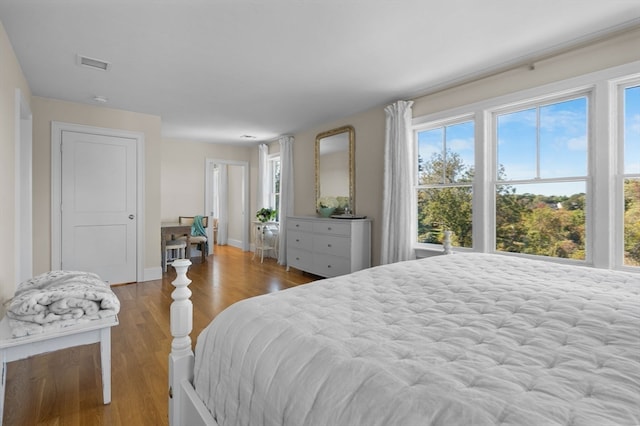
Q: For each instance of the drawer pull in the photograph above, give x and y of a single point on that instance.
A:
(328, 245)
(329, 229)
(297, 225)
(297, 258)
(329, 266)
(297, 240)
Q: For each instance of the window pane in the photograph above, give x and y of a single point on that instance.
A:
(459, 152)
(632, 130)
(563, 139)
(446, 154)
(516, 134)
(276, 176)
(445, 208)
(632, 222)
(430, 147)
(543, 219)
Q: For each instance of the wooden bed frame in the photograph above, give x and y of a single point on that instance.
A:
(185, 407)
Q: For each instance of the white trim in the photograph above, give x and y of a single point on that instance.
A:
(23, 221)
(616, 101)
(57, 128)
(209, 162)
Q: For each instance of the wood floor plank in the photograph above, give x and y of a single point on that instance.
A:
(65, 387)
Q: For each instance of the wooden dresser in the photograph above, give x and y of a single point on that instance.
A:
(328, 247)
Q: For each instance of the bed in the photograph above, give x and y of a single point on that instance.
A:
(449, 340)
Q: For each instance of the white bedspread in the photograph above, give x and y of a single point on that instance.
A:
(466, 339)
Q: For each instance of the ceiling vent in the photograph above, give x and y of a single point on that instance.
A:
(96, 64)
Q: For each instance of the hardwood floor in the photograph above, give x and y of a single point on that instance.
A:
(65, 388)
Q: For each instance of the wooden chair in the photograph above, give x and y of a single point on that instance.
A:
(170, 250)
(198, 240)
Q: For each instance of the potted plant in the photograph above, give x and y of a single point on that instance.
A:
(327, 205)
(266, 214)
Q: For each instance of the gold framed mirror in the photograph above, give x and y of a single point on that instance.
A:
(335, 171)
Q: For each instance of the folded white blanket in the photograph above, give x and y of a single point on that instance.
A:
(59, 299)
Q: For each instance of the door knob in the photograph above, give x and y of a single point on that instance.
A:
(131, 217)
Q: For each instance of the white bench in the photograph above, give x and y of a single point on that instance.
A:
(98, 331)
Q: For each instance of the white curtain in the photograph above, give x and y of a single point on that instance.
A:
(223, 204)
(286, 193)
(399, 176)
(215, 208)
(263, 177)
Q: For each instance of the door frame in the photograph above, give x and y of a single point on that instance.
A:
(57, 127)
(24, 189)
(208, 168)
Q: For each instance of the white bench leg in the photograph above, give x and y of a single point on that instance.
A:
(105, 361)
(3, 355)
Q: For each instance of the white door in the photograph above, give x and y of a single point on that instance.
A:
(99, 205)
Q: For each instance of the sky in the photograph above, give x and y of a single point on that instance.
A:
(545, 142)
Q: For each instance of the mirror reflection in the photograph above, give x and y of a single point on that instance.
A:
(335, 171)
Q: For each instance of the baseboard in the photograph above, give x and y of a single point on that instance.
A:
(234, 243)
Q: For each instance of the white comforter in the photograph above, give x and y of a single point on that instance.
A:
(59, 299)
(454, 340)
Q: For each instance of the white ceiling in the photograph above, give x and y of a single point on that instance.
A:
(215, 70)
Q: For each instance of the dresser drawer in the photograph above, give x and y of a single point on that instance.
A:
(300, 259)
(331, 227)
(331, 244)
(330, 266)
(302, 240)
(299, 225)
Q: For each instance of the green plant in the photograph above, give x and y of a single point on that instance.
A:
(266, 214)
(327, 202)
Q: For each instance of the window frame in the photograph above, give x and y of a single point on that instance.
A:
(604, 230)
(273, 195)
(539, 102)
(432, 125)
(618, 124)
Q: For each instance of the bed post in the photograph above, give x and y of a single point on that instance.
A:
(181, 356)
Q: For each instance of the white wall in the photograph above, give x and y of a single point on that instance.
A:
(11, 78)
(183, 179)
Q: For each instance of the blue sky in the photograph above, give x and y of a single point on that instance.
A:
(562, 137)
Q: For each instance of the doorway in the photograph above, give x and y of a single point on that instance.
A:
(227, 199)
(97, 215)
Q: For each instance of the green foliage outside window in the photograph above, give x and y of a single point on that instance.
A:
(445, 208)
(632, 222)
(541, 225)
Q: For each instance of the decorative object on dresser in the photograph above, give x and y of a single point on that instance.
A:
(335, 171)
(328, 247)
(327, 206)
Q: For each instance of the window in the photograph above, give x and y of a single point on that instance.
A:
(445, 178)
(541, 178)
(274, 183)
(631, 173)
(554, 172)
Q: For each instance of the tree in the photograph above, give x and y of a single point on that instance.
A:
(632, 221)
(441, 208)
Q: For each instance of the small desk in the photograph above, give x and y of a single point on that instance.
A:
(16, 348)
(169, 231)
